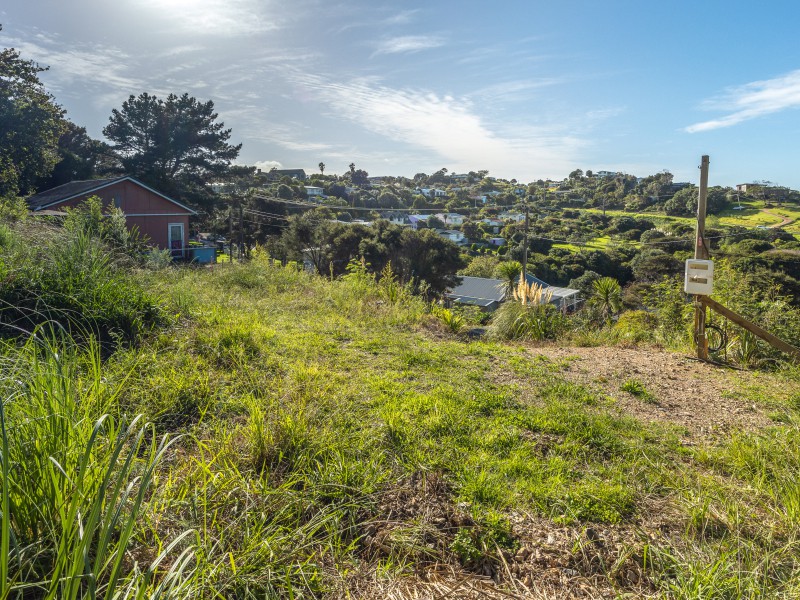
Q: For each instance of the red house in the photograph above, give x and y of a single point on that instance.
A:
(163, 220)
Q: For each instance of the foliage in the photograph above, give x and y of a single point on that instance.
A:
(423, 260)
(481, 266)
(510, 271)
(74, 485)
(636, 326)
(30, 125)
(72, 281)
(175, 145)
(452, 319)
(607, 296)
(79, 158)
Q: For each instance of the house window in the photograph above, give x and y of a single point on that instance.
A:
(117, 200)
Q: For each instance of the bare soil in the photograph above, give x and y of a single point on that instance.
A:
(705, 400)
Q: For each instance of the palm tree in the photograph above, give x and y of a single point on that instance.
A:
(607, 296)
(322, 168)
(352, 167)
(509, 272)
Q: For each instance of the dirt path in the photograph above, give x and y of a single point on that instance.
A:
(784, 220)
(704, 399)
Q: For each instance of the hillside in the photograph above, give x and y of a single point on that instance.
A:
(339, 441)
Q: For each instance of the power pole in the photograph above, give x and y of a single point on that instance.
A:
(525, 248)
(230, 233)
(701, 253)
(241, 230)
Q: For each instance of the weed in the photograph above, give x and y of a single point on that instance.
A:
(638, 389)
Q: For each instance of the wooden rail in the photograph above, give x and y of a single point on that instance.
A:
(751, 327)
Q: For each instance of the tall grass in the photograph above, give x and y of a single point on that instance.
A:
(75, 482)
(73, 280)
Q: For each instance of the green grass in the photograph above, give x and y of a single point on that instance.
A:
(319, 421)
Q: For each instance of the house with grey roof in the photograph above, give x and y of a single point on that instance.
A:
(490, 293)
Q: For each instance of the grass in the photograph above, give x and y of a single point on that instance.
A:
(320, 434)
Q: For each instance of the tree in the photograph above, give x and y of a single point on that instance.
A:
(30, 125)
(607, 296)
(176, 145)
(80, 157)
(509, 272)
(322, 168)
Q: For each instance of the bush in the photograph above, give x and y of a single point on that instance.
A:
(73, 283)
(636, 326)
(516, 321)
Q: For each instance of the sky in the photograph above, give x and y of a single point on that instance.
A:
(524, 89)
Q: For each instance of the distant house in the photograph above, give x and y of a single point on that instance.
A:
(431, 192)
(497, 241)
(512, 216)
(298, 174)
(452, 235)
(606, 173)
(163, 220)
(493, 224)
(396, 218)
(490, 293)
(416, 220)
(312, 190)
(451, 218)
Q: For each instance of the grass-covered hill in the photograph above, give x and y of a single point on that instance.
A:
(307, 438)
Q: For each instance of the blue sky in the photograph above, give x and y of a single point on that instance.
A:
(527, 90)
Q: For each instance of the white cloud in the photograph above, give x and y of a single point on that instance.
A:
(753, 100)
(214, 17)
(104, 66)
(447, 126)
(266, 165)
(406, 44)
(402, 18)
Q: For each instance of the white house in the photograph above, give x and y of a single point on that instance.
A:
(512, 216)
(451, 218)
(312, 190)
(497, 241)
(416, 220)
(452, 235)
(431, 192)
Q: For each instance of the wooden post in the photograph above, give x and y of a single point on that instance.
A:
(701, 252)
(230, 233)
(241, 229)
(775, 341)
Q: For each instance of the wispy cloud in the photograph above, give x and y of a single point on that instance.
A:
(753, 100)
(446, 125)
(402, 18)
(91, 64)
(227, 18)
(406, 44)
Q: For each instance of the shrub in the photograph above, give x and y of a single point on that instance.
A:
(74, 283)
(636, 326)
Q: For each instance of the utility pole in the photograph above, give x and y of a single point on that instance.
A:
(525, 248)
(230, 233)
(241, 230)
(701, 253)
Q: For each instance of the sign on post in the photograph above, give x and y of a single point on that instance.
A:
(699, 278)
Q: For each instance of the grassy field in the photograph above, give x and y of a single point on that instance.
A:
(336, 439)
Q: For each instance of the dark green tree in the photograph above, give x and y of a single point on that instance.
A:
(30, 125)
(80, 157)
(175, 145)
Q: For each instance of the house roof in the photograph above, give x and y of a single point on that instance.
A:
(74, 189)
(472, 289)
(479, 288)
